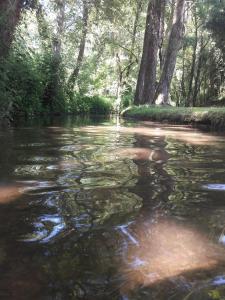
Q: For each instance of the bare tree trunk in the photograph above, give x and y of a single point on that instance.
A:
(174, 45)
(189, 100)
(73, 77)
(165, 32)
(57, 47)
(197, 82)
(183, 87)
(197, 78)
(10, 11)
(57, 43)
(162, 34)
(146, 83)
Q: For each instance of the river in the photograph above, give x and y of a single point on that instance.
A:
(111, 210)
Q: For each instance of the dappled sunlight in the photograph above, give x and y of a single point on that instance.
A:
(167, 126)
(56, 129)
(10, 193)
(214, 187)
(65, 165)
(187, 135)
(157, 155)
(162, 249)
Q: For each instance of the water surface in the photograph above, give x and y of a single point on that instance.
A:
(111, 210)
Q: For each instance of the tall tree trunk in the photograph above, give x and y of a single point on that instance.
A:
(174, 45)
(197, 82)
(10, 11)
(57, 48)
(165, 32)
(73, 77)
(197, 78)
(146, 83)
(53, 89)
(183, 87)
(162, 34)
(124, 73)
(189, 100)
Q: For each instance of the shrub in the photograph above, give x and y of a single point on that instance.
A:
(25, 79)
(100, 105)
(127, 101)
(21, 86)
(95, 105)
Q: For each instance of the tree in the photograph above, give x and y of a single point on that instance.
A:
(189, 99)
(73, 77)
(57, 69)
(138, 9)
(10, 12)
(146, 82)
(174, 45)
(52, 47)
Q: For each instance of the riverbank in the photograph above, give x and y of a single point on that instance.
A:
(214, 117)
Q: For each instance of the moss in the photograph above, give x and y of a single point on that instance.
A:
(211, 116)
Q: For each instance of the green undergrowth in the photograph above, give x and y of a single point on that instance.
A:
(211, 116)
(95, 105)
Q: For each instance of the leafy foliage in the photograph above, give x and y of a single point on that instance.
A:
(21, 85)
(95, 105)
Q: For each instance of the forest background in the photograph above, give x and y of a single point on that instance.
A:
(99, 56)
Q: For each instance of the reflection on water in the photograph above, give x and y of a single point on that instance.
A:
(44, 235)
(215, 187)
(157, 155)
(9, 193)
(102, 210)
(186, 135)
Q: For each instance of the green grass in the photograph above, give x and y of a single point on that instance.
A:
(211, 116)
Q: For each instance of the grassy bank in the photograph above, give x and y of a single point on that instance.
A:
(211, 116)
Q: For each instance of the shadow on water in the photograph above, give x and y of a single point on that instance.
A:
(103, 211)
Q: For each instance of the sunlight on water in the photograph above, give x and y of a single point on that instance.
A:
(157, 155)
(55, 226)
(189, 136)
(10, 193)
(163, 248)
(219, 280)
(215, 187)
(124, 230)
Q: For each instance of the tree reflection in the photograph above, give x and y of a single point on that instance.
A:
(158, 248)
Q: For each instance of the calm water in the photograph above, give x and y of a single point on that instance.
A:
(107, 210)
